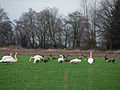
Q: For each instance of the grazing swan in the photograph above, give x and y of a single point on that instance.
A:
(61, 59)
(90, 60)
(77, 60)
(36, 58)
(9, 59)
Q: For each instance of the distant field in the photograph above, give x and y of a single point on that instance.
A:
(25, 75)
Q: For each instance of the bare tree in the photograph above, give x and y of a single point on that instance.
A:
(5, 28)
(77, 24)
(50, 27)
(85, 5)
(93, 22)
(26, 29)
(109, 23)
(40, 29)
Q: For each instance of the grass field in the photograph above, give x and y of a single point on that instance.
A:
(25, 75)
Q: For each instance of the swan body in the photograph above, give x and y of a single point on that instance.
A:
(90, 60)
(36, 58)
(9, 59)
(61, 59)
(75, 61)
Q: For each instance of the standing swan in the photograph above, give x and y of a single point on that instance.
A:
(9, 59)
(90, 60)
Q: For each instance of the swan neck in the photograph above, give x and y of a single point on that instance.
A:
(30, 59)
(10, 54)
(16, 57)
(90, 54)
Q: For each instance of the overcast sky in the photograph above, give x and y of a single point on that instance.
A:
(16, 7)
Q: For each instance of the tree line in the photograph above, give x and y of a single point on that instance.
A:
(95, 26)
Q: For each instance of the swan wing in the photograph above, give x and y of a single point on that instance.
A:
(38, 56)
(7, 57)
(9, 60)
(60, 59)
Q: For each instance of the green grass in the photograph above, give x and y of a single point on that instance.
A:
(25, 75)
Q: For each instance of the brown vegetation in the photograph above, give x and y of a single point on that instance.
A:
(56, 52)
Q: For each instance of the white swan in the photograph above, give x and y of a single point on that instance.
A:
(90, 60)
(36, 58)
(6, 56)
(9, 59)
(61, 59)
(77, 60)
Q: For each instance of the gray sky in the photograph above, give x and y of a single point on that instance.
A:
(16, 7)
